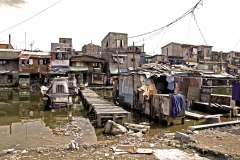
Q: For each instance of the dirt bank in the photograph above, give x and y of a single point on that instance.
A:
(218, 143)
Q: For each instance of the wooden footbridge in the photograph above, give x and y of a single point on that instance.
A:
(102, 108)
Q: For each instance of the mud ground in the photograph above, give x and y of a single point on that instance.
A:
(215, 143)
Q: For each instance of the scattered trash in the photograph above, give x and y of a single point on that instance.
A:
(73, 145)
(24, 151)
(123, 149)
(8, 150)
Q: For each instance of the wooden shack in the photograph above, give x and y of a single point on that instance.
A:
(140, 90)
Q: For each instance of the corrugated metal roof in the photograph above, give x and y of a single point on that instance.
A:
(31, 54)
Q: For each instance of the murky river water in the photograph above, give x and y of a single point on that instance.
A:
(25, 123)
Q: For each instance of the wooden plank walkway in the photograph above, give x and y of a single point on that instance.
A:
(101, 108)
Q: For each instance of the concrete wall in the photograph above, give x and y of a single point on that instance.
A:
(115, 41)
(188, 52)
(125, 59)
(12, 65)
(91, 49)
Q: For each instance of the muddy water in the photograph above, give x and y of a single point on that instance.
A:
(25, 123)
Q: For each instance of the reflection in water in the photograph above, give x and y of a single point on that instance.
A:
(24, 122)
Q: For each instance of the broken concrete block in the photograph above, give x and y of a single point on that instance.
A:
(113, 128)
(184, 137)
(137, 127)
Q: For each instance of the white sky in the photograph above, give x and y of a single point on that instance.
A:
(86, 20)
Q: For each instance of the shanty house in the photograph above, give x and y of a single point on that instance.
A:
(144, 88)
(9, 67)
(33, 66)
(87, 69)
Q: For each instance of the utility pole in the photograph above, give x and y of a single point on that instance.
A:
(117, 56)
(31, 45)
(117, 61)
(134, 92)
(133, 57)
(25, 40)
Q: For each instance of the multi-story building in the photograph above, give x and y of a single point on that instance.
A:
(59, 60)
(33, 66)
(118, 55)
(60, 55)
(9, 67)
(87, 69)
(188, 52)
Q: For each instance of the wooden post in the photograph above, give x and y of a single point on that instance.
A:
(99, 123)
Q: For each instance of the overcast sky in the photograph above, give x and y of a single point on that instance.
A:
(90, 20)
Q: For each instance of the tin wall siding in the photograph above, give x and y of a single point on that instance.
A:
(128, 90)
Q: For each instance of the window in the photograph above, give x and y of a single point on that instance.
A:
(59, 89)
(118, 60)
(120, 43)
(25, 61)
(3, 62)
(41, 61)
(106, 44)
(59, 55)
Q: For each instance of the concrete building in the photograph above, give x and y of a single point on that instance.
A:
(190, 53)
(91, 50)
(9, 67)
(118, 55)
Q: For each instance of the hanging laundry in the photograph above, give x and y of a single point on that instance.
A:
(148, 90)
(236, 92)
(170, 80)
(178, 104)
(31, 61)
(53, 56)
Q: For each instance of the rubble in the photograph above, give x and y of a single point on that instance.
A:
(73, 145)
(137, 127)
(184, 138)
(113, 128)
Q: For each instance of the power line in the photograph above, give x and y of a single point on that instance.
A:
(194, 17)
(176, 20)
(160, 40)
(31, 17)
(151, 36)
